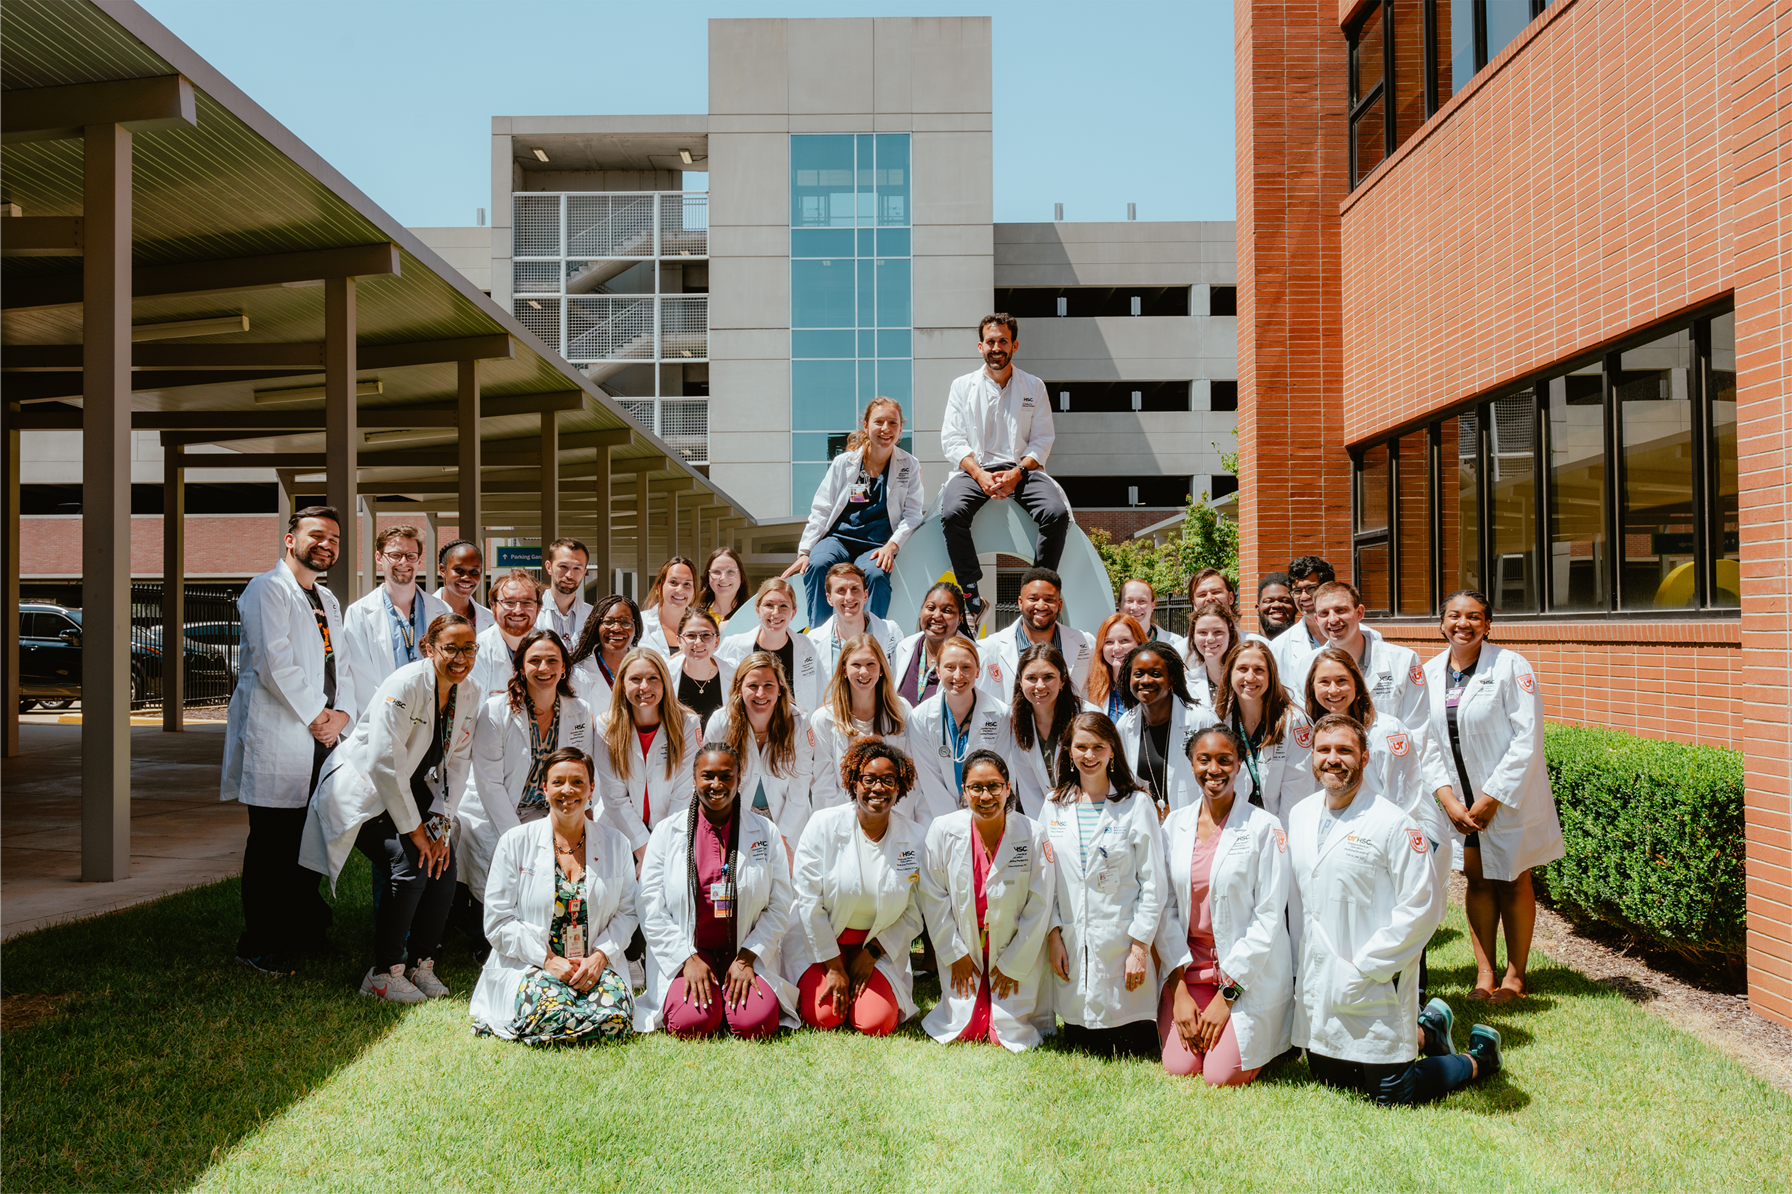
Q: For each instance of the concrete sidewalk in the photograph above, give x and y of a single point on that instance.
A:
(181, 834)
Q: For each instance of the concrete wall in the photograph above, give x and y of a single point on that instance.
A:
(927, 76)
(468, 250)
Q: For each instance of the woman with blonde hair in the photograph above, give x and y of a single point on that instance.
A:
(868, 504)
(861, 703)
(776, 605)
(647, 742)
(774, 742)
(1118, 635)
(673, 591)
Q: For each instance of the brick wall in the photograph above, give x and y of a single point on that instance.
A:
(1120, 524)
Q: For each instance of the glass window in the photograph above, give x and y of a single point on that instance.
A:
(867, 384)
(821, 293)
(823, 395)
(1506, 19)
(896, 343)
(1406, 74)
(805, 479)
(867, 242)
(821, 242)
(892, 183)
(809, 445)
(893, 242)
(1513, 505)
(1459, 550)
(896, 379)
(1455, 45)
(893, 306)
(821, 344)
(1367, 140)
(1372, 490)
(1579, 563)
(1653, 394)
(867, 317)
(1412, 522)
(1366, 56)
(1372, 576)
(821, 182)
(1724, 583)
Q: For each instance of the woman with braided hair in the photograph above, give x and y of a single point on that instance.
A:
(715, 902)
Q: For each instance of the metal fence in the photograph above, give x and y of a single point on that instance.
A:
(211, 644)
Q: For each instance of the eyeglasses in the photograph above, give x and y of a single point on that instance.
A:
(458, 652)
(1306, 590)
(616, 624)
(877, 781)
(697, 636)
(403, 557)
(990, 789)
(517, 603)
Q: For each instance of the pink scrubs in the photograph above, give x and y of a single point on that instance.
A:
(1220, 1066)
(756, 1017)
(980, 1028)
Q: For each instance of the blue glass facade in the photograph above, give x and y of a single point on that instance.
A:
(851, 292)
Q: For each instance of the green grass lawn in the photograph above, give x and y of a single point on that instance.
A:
(170, 1067)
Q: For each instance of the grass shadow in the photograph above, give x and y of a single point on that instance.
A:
(162, 1052)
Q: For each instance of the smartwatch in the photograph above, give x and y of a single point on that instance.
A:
(875, 950)
(1231, 991)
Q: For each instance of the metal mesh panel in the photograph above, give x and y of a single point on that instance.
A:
(537, 229)
(610, 225)
(541, 316)
(684, 225)
(608, 327)
(536, 277)
(684, 327)
(640, 412)
(684, 423)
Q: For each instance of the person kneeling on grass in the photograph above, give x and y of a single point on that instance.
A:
(559, 910)
(715, 902)
(1363, 905)
(857, 879)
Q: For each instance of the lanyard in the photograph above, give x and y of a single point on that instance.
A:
(407, 628)
(1250, 754)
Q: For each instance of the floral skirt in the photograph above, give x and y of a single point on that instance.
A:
(548, 1012)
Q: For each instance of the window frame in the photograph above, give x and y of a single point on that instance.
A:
(1704, 470)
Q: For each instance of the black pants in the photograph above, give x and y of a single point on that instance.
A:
(1402, 1083)
(1037, 496)
(1138, 1040)
(282, 909)
(468, 915)
(413, 908)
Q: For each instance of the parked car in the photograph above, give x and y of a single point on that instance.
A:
(50, 659)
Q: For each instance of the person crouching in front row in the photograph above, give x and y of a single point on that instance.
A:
(1363, 905)
(858, 907)
(559, 910)
(715, 902)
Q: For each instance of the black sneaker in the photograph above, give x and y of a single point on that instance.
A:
(276, 964)
(1437, 1024)
(973, 613)
(1484, 1047)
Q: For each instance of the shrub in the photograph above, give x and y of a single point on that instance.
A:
(1654, 839)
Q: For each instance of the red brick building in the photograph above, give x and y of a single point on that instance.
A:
(1513, 316)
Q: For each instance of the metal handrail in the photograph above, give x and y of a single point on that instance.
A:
(654, 234)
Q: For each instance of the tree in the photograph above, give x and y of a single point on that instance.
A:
(1206, 539)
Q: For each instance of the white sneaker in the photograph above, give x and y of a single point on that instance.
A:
(423, 977)
(390, 985)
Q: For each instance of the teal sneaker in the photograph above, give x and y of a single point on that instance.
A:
(1437, 1023)
(1484, 1047)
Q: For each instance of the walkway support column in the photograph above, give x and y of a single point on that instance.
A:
(9, 566)
(550, 481)
(643, 560)
(472, 526)
(341, 435)
(370, 530)
(600, 541)
(174, 590)
(426, 572)
(106, 507)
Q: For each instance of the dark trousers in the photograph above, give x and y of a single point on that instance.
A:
(1036, 495)
(282, 909)
(1401, 1084)
(1137, 1040)
(413, 908)
(468, 915)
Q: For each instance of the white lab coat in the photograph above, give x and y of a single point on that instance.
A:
(1001, 659)
(1397, 770)
(658, 637)
(1291, 648)
(724, 675)
(903, 496)
(370, 770)
(581, 609)
(763, 911)
(1022, 421)
(647, 781)
(1101, 910)
(828, 882)
(827, 651)
(1032, 783)
(500, 771)
(494, 665)
(787, 795)
(588, 681)
(1395, 679)
(931, 749)
(1285, 771)
(831, 744)
(1247, 888)
(1362, 911)
(1181, 788)
(483, 618)
(268, 747)
(1500, 724)
(367, 640)
(806, 686)
(1017, 916)
(519, 912)
(1175, 642)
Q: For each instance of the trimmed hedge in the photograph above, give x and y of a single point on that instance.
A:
(1654, 838)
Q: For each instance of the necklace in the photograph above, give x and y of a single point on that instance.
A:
(702, 685)
(569, 850)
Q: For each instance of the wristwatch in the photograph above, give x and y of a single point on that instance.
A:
(1231, 991)
(875, 950)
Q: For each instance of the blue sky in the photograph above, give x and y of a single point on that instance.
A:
(1096, 105)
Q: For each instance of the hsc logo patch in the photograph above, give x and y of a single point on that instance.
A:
(995, 673)
(1303, 736)
(1528, 682)
(1399, 744)
(1416, 674)
(1417, 841)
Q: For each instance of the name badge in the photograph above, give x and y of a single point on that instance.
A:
(721, 894)
(575, 932)
(860, 493)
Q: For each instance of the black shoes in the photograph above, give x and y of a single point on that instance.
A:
(278, 965)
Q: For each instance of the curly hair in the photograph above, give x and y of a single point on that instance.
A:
(859, 756)
(1175, 671)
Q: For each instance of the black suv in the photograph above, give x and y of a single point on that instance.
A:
(50, 659)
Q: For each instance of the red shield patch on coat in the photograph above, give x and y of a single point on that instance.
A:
(995, 673)
(1049, 856)
(1399, 744)
(811, 732)
(1416, 674)
(1303, 736)
(1417, 841)
(1281, 841)
(1528, 682)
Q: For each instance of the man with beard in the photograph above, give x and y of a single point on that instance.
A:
(516, 600)
(295, 695)
(384, 630)
(997, 432)
(1041, 604)
(565, 610)
(1363, 904)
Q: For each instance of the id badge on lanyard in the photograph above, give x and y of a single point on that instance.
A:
(861, 490)
(721, 895)
(575, 931)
